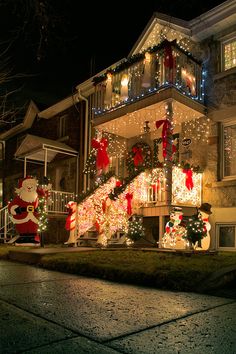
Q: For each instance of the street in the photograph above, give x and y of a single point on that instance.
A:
(50, 312)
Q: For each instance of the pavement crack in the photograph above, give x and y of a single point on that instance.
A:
(164, 323)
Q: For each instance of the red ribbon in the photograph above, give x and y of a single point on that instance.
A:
(155, 186)
(189, 179)
(129, 197)
(138, 157)
(118, 183)
(102, 159)
(168, 56)
(69, 221)
(165, 129)
(97, 226)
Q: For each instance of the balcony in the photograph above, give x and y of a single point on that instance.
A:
(163, 67)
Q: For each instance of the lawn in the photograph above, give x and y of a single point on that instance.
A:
(183, 272)
(166, 271)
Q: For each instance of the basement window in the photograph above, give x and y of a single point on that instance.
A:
(226, 236)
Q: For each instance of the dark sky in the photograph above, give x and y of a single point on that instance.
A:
(57, 40)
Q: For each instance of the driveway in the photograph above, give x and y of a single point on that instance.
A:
(50, 312)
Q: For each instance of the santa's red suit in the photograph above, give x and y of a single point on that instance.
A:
(23, 211)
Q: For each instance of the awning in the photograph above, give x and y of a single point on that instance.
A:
(36, 148)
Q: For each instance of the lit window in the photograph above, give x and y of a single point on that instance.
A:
(229, 151)
(226, 235)
(229, 51)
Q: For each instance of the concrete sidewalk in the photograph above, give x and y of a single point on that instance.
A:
(50, 312)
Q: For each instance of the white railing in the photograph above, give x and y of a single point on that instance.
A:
(58, 200)
(6, 225)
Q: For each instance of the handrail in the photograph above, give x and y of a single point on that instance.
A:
(5, 224)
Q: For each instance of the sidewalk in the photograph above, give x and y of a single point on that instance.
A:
(47, 312)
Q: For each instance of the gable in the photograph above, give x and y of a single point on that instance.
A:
(162, 27)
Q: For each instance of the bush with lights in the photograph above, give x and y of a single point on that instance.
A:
(196, 230)
(136, 230)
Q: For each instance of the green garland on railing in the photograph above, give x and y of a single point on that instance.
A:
(126, 63)
(103, 179)
(118, 190)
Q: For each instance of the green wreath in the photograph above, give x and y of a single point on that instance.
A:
(146, 156)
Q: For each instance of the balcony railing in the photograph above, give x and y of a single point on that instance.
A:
(165, 66)
(58, 200)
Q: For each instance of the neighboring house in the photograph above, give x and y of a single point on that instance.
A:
(47, 144)
(168, 113)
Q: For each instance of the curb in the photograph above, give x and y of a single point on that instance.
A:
(24, 257)
(219, 279)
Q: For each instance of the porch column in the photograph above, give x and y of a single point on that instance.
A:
(77, 176)
(25, 167)
(161, 229)
(168, 159)
(45, 162)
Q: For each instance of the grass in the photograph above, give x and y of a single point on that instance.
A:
(182, 272)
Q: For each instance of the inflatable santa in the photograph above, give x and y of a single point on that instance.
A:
(24, 213)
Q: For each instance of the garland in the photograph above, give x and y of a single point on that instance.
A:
(103, 179)
(137, 57)
(120, 189)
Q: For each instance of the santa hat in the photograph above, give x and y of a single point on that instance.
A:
(70, 204)
(27, 178)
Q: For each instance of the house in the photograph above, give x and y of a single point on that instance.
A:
(46, 143)
(166, 118)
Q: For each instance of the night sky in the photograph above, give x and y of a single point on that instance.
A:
(50, 39)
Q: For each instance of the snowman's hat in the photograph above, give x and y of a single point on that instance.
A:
(205, 208)
(176, 210)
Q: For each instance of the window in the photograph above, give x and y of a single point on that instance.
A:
(229, 150)
(226, 236)
(62, 127)
(229, 54)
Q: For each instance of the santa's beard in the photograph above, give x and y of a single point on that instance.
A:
(27, 196)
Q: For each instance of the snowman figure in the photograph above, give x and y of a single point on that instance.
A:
(205, 211)
(174, 232)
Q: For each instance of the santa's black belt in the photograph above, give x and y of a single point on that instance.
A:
(28, 209)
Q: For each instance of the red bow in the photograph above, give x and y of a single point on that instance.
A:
(102, 159)
(129, 197)
(165, 129)
(189, 179)
(138, 157)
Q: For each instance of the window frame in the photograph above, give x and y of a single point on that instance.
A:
(225, 224)
(223, 44)
(223, 126)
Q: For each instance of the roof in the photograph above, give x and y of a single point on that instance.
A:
(40, 149)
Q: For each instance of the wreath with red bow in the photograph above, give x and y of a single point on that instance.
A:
(139, 158)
